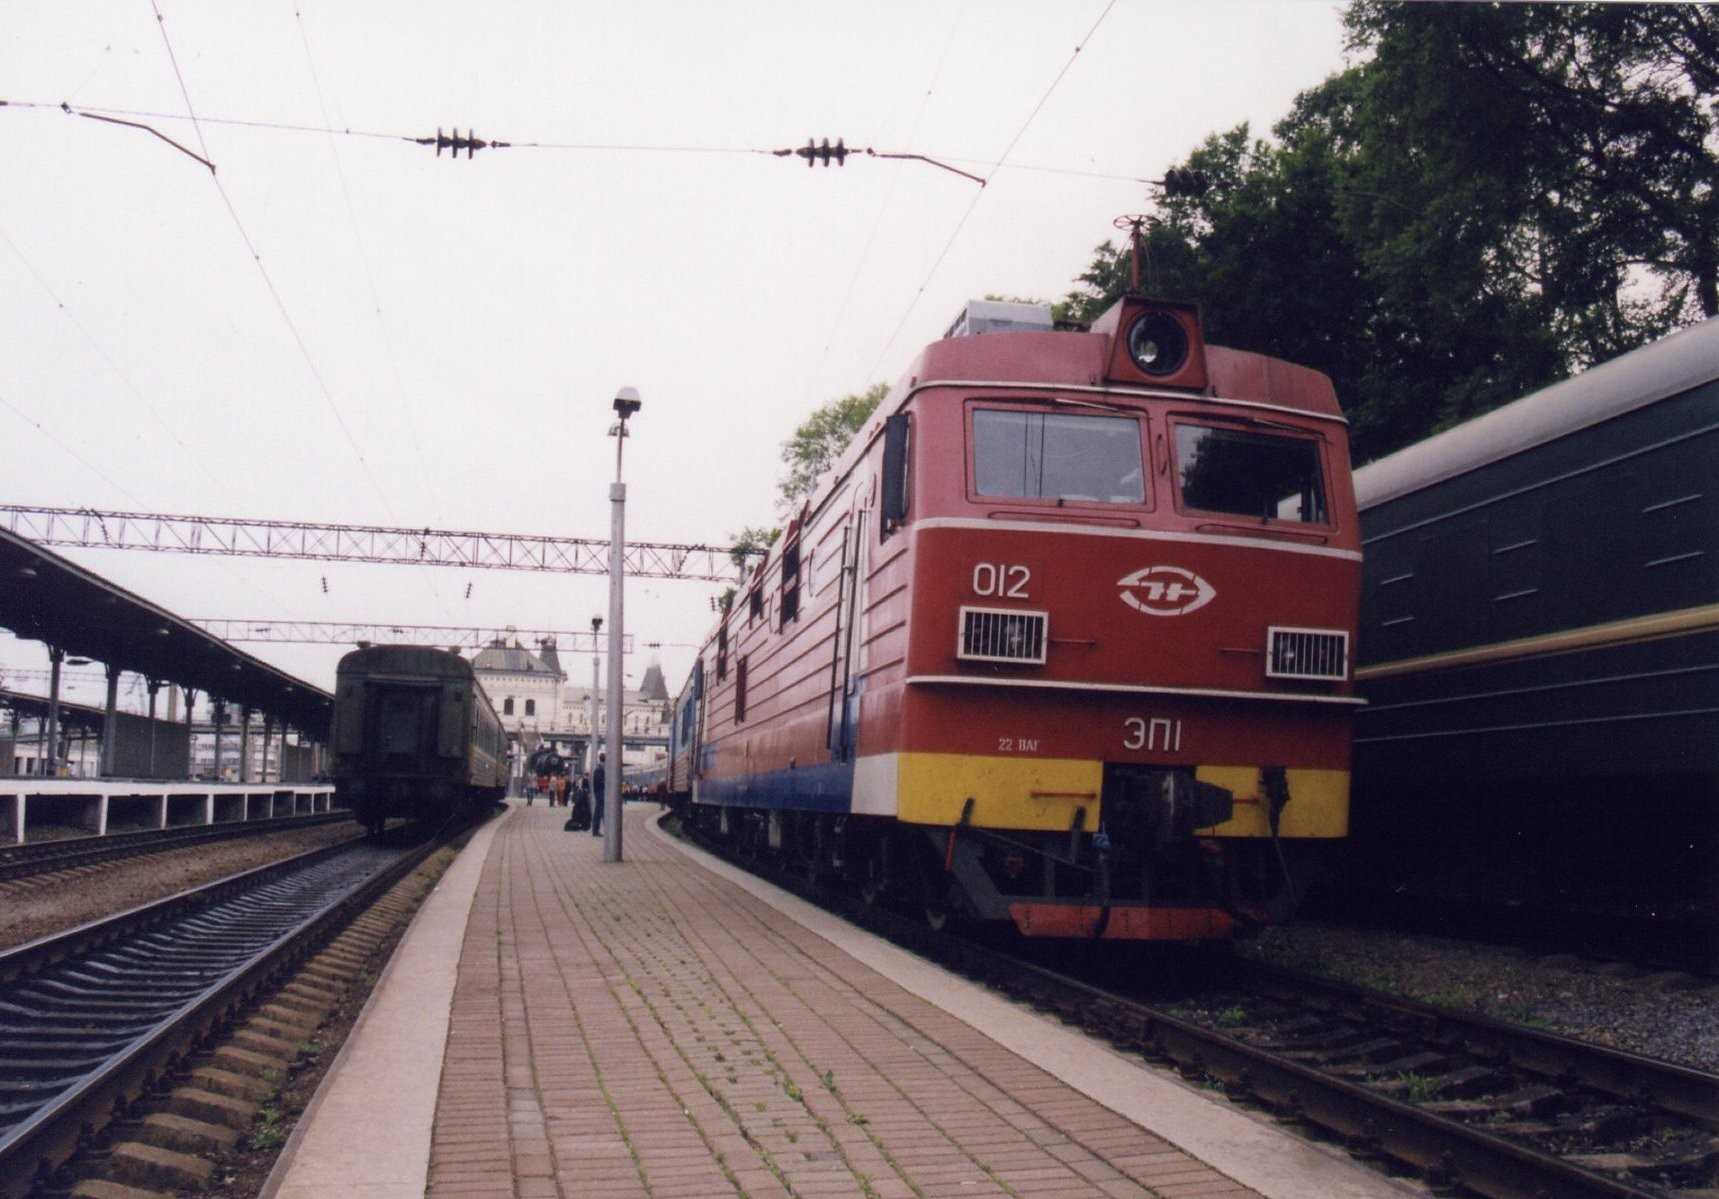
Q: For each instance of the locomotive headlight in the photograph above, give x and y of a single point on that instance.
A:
(1158, 344)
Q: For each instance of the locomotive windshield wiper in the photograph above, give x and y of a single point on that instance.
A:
(1060, 402)
(1261, 422)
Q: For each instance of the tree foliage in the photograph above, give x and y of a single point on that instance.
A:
(752, 537)
(819, 441)
(813, 449)
(1491, 196)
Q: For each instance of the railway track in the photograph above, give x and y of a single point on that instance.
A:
(1469, 1104)
(93, 1020)
(47, 857)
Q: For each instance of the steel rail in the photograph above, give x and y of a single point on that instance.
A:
(1369, 1123)
(45, 857)
(1617, 1072)
(35, 956)
(34, 1150)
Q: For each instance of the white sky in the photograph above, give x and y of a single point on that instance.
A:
(472, 320)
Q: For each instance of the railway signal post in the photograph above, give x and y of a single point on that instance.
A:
(626, 404)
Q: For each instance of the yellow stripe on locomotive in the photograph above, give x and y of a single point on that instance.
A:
(1044, 794)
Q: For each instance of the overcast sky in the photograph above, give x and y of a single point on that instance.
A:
(465, 324)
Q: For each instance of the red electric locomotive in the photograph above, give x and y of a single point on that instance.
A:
(1063, 639)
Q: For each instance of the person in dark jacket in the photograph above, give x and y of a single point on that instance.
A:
(597, 794)
(579, 793)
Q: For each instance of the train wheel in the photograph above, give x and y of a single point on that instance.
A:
(873, 866)
(814, 865)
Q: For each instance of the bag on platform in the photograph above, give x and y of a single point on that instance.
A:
(581, 817)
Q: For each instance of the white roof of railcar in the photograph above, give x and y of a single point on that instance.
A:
(1674, 364)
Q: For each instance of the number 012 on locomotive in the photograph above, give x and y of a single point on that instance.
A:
(1062, 640)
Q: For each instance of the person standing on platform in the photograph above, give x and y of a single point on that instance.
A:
(597, 795)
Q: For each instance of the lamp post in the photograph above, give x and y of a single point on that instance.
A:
(626, 404)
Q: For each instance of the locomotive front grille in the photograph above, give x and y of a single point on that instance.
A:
(1002, 635)
(1307, 654)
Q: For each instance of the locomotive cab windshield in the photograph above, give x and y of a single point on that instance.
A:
(1245, 472)
(1057, 456)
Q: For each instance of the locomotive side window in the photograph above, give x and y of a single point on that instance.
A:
(1056, 456)
(1261, 475)
(790, 605)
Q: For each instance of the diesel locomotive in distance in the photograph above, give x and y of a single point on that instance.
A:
(1540, 644)
(1062, 640)
(414, 735)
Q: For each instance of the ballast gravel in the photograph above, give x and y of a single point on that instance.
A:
(1670, 1015)
(45, 904)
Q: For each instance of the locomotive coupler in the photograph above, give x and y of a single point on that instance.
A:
(1185, 804)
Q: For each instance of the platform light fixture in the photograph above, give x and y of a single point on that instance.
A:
(626, 405)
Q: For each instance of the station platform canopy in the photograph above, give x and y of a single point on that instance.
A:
(25, 703)
(44, 597)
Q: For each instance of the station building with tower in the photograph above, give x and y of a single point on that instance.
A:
(525, 687)
(536, 705)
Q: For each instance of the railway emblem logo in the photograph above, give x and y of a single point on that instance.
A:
(1165, 591)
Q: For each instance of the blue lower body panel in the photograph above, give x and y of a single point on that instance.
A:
(828, 787)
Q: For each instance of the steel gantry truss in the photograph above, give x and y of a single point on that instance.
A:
(333, 632)
(88, 528)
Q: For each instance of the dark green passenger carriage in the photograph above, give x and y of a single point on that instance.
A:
(414, 735)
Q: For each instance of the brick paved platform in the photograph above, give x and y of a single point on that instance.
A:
(670, 1027)
(651, 1029)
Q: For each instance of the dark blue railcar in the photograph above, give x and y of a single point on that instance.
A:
(1539, 637)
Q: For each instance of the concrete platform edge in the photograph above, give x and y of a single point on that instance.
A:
(428, 970)
(1246, 1147)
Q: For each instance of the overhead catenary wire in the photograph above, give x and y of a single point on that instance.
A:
(979, 195)
(268, 281)
(130, 385)
(107, 359)
(77, 457)
(877, 222)
(389, 351)
(330, 130)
